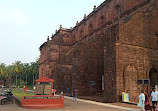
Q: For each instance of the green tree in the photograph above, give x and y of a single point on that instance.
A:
(17, 70)
(2, 70)
(21, 71)
(34, 67)
(26, 71)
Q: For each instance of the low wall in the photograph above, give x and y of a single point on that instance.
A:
(42, 102)
(17, 101)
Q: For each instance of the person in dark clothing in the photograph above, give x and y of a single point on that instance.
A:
(74, 94)
(147, 104)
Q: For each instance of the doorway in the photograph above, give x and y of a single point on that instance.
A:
(153, 76)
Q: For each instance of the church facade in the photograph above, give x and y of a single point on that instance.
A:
(107, 52)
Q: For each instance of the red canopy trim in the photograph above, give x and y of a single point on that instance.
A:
(44, 79)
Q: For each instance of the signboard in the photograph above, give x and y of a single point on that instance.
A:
(146, 81)
(39, 89)
(143, 81)
(139, 81)
(42, 97)
(47, 90)
(44, 88)
(92, 83)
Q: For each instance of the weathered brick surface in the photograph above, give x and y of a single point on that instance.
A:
(117, 41)
(137, 52)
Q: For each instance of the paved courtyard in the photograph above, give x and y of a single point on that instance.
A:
(72, 106)
(79, 105)
(69, 106)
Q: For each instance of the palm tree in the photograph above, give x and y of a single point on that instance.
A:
(9, 72)
(34, 69)
(2, 68)
(21, 69)
(2, 71)
(17, 69)
(26, 70)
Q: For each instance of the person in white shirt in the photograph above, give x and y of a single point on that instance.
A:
(61, 92)
(142, 100)
(154, 96)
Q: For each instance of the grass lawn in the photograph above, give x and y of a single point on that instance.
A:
(19, 93)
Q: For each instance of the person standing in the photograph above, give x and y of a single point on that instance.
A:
(147, 104)
(62, 93)
(154, 96)
(67, 92)
(53, 91)
(141, 100)
(74, 94)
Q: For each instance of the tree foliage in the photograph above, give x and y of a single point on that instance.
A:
(21, 73)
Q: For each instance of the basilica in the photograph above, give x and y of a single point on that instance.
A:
(112, 50)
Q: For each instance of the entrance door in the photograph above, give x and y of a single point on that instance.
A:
(153, 76)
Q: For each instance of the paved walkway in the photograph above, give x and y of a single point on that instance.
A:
(118, 106)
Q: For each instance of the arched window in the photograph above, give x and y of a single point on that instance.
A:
(90, 28)
(81, 33)
(130, 81)
(153, 76)
(118, 9)
(101, 20)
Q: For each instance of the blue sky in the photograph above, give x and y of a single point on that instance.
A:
(25, 24)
